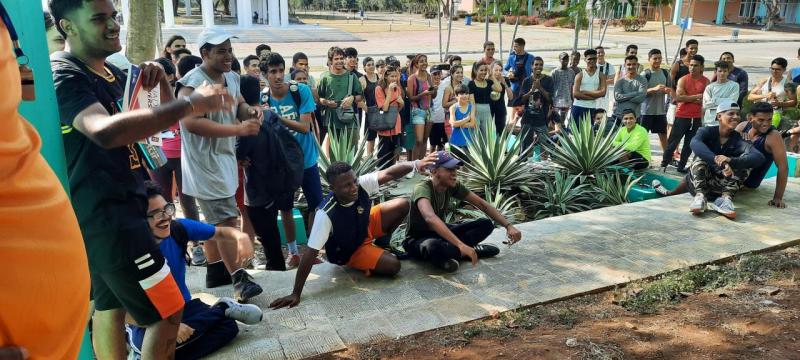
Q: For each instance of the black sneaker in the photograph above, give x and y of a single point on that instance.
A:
(243, 286)
(486, 251)
(217, 275)
(449, 265)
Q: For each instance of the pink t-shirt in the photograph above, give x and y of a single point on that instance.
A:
(172, 147)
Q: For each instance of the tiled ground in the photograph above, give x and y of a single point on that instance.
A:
(558, 257)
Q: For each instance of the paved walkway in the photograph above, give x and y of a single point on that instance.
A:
(558, 257)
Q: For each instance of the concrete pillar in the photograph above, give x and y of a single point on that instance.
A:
(549, 4)
(188, 5)
(169, 17)
(720, 12)
(676, 18)
(284, 13)
(530, 7)
(126, 12)
(207, 9)
(244, 13)
(273, 9)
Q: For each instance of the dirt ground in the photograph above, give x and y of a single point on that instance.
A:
(735, 322)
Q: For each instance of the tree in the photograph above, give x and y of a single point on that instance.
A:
(773, 11)
(661, 4)
(142, 31)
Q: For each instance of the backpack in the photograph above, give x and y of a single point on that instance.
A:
(276, 158)
(294, 91)
(648, 73)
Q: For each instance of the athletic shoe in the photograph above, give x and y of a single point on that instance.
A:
(243, 286)
(698, 205)
(449, 265)
(246, 313)
(217, 275)
(486, 251)
(659, 188)
(198, 256)
(410, 175)
(259, 259)
(724, 206)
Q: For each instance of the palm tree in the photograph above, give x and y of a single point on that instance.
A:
(142, 31)
(772, 13)
(661, 4)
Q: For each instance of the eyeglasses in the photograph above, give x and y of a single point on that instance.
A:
(164, 213)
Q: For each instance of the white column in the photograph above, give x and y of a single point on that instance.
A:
(274, 13)
(245, 13)
(188, 5)
(169, 17)
(207, 9)
(126, 12)
(284, 13)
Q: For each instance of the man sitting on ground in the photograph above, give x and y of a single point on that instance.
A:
(722, 162)
(430, 239)
(203, 329)
(633, 138)
(759, 131)
(346, 224)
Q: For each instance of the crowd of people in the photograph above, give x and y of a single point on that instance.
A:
(245, 140)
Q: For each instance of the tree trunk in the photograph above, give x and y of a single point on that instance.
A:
(577, 30)
(683, 30)
(605, 27)
(449, 30)
(591, 27)
(142, 28)
(486, 32)
(439, 18)
(772, 13)
(663, 32)
(514, 36)
(500, 29)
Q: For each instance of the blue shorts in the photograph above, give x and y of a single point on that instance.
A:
(420, 116)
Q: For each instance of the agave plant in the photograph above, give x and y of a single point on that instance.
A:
(508, 206)
(491, 164)
(343, 149)
(613, 187)
(586, 152)
(565, 194)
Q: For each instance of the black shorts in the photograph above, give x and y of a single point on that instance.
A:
(656, 124)
(284, 202)
(438, 135)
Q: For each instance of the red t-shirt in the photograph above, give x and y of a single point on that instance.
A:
(692, 87)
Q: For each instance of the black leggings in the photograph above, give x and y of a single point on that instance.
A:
(434, 249)
(163, 176)
(265, 224)
(387, 146)
(681, 128)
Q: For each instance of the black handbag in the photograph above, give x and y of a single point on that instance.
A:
(379, 120)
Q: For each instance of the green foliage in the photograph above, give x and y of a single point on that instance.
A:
(586, 152)
(492, 165)
(345, 147)
(508, 206)
(613, 187)
(564, 194)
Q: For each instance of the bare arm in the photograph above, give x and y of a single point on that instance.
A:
(681, 94)
(457, 123)
(436, 224)
(303, 126)
(776, 146)
(204, 127)
(755, 94)
(449, 100)
(306, 262)
(576, 89)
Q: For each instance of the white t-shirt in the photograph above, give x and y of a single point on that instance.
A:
(437, 117)
(610, 71)
(321, 229)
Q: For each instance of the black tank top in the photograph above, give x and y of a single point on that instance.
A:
(369, 92)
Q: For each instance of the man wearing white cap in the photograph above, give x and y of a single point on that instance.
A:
(209, 153)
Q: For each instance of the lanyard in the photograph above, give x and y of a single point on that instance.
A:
(21, 57)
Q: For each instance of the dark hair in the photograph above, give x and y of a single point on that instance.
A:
(461, 89)
(760, 107)
(780, 62)
(599, 47)
(262, 47)
(415, 61)
(722, 65)
(538, 58)
(60, 9)
(273, 59)
(299, 56)
(380, 62)
(487, 44)
(152, 189)
(683, 52)
(366, 60)
(350, 52)
(384, 82)
(250, 89)
(179, 52)
(653, 52)
(294, 73)
(600, 111)
(456, 67)
(700, 59)
(335, 169)
(627, 111)
(236, 66)
(692, 42)
(48, 21)
(333, 51)
(589, 52)
(453, 59)
(631, 46)
(169, 69)
(519, 41)
(475, 67)
(726, 53)
(188, 63)
(248, 59)
(206, 48)
(632, 58)
(169, 42)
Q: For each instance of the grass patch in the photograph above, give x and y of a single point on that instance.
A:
(670, 288)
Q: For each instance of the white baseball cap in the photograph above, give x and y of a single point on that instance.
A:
(727, 105)
(214, 36)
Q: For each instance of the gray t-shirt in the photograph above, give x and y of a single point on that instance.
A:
(562, 87)
(209, 164)
(630, 94)
(655, 103)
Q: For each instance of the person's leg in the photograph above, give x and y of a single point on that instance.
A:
(393, 213)
(108, 335)
(473, 232)
(699, 175)
(687, 140)
(418, 122)
(161, 338)
(432, 249)
(212, 330)
(426, 136)
(188, 203)
(371, 136)
(638, 162)
(265, 222)
(500, 114)
(679, 128)
(312, 190)
(577, 114)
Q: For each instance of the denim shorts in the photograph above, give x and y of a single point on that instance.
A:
(420, 116)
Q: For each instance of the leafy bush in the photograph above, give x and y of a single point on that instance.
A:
(523, 20)
(613, 188)
(508, 206)
(631, 24)
(565, 194)
(550, 22)
(586, 152)
(533, 20)
(555, 14)
(342, 149)
(565, 22)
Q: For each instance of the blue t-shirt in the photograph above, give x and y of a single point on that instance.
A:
(286, 107)
(795, 74)
(173, 252)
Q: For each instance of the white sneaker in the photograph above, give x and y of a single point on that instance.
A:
(410, 175)
(724, 206)
(698, 205)
(659, 188)
(247, 313)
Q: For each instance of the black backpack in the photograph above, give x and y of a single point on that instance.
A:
(294, 91)
(276, 158)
